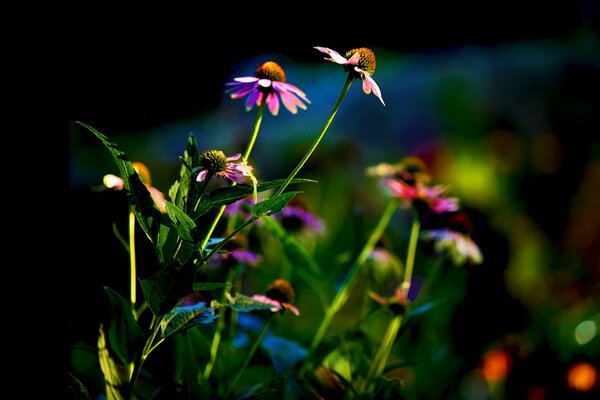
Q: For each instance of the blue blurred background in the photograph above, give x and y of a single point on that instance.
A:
(503, 104)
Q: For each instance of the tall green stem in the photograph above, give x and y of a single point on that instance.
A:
(349, 282)
(334, 111)
(255, 346)
(410, 256)
(383, 352)
(132, 262)
(255, 130)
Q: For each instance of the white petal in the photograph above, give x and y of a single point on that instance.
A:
(335, 56)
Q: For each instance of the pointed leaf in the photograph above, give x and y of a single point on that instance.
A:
(184, 224)
(124, 333)
(185, 317)
(231, 194)
(241, 303)
(185, 191)
(272, 205)
(166, 287)
(143, 206)
(166, 242)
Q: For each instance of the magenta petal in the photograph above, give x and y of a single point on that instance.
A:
(241, 90)
(374, 87)
(234, 157)
(335, 56)
(202, 175)
(366, 86)
(252, 99)
(294, 89)
(288, 102)
(273, 103)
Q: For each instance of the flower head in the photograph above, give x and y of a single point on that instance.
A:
(268, 84)
(280, 294)
(360, 63)
(421, 196)
(455, 240)
(411, 170)
(114, 182)
(296, 218)
(214, 162)
(235, 252)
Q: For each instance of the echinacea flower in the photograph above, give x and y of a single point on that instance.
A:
(455, 240)
(296, 218)
(411, 170)
(432, 197)
(114, 182)
(360, 63)
(267, 84)
(280, 294)
(235, 252)
(215, 163)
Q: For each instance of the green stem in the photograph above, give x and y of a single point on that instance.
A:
(336, 106)
(219, 330)
(255, 130)
(132, 262)
(137, 365)
(255, 346)
(383, 352)
(350, 280)
(410, 256)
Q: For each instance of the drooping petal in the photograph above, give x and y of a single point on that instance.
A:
(335, 56)
(234, 157)
(288, 101)
(293, 89)
(202, 175)
(241, 90)
(253, 98)
(273, 103)
(354, 59)
(374, 87)
(158, 198)
(366, 86)
(291, 308)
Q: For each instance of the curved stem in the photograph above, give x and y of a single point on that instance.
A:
(132, 262)
(255, 346)
(334, 111)
(350, 280)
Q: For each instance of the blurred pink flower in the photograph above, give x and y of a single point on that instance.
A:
(214, 162)
(361, 63)
(280, 294)
(432, 196)
(114, 182)
(268, 82)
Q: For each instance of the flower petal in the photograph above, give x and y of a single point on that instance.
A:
(234, 157)
(335, 56)
(288, 100)
(292, 89)
(202, 175)
(366, 86)
(273, 103)
(158, 198)
(113, 182)
(265, 83)
(354, 59)
(374, 87)
(246, 79)
(254, 98)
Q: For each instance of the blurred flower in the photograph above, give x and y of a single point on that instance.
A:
(268, 81)
(111, 181)
(455, 240)
(360, 63)
(421, 196)
(295, 217)
(410, 169)
(214, 162)
(280, 294)
(235, 252)
(241, 208)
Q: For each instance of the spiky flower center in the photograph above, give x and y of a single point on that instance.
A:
(281, 291)
(366, 59)
(214, 161)
(270, 70)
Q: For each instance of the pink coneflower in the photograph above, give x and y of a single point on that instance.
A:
(359, 62)
(455, 240)
(214, 162)
(433, 197)
(296, 218)
(111, 181)
(280, 294)
(411, 170)
(267, 83)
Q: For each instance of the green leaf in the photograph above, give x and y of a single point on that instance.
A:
(272, 205)
(304, 265)
(143, 206)
(184, 317)
(191, 349)
(166, 243)
(231, 194)
(184, 192)
(124, 333)
(165, 288)
(185, 225)
(241, 303)
(202, 286)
